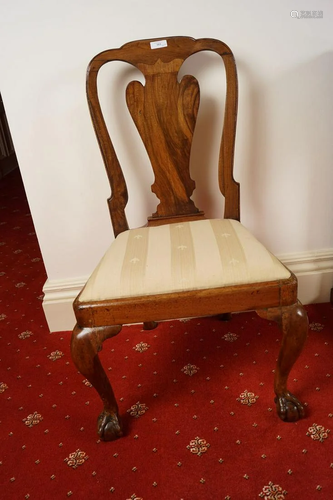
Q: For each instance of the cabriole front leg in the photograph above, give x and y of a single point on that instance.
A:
(85, 346)
(293, 322)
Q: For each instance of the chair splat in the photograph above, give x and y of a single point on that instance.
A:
(165, 111)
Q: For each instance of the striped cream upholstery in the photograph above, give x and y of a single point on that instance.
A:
(179, 257)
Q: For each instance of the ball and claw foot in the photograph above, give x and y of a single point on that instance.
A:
(109, 426)
(289, 408)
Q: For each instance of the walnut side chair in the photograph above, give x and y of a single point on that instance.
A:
(205, 266)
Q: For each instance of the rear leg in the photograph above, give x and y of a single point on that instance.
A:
(150, 325)
(225, 316)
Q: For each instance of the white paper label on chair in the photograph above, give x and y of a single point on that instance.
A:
(158, 45)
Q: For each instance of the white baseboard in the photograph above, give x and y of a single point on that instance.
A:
(57, 303)
(314, 271)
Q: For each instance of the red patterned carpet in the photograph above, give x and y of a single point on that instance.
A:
(195, 396)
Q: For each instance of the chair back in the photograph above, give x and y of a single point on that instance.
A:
(164, 111)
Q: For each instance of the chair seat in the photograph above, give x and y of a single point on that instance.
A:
(181, 257)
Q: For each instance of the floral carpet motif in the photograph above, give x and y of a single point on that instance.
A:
(198, 446)
(195, 396)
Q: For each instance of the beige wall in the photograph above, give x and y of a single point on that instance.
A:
(284, 149)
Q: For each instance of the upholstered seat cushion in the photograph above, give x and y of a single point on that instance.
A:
(179, 257)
